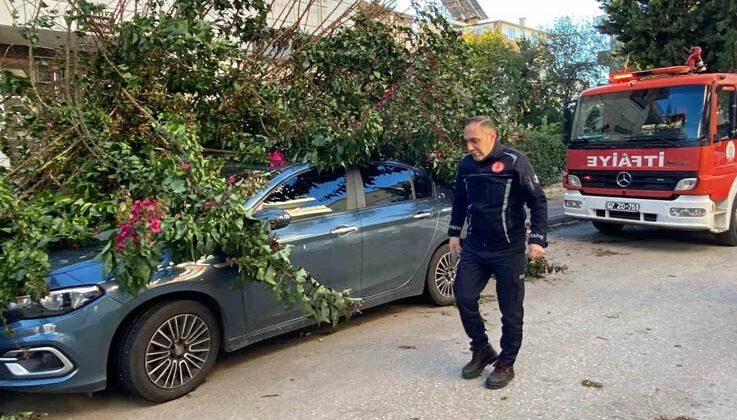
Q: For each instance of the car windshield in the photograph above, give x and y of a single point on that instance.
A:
(660, 116)
(239, 170)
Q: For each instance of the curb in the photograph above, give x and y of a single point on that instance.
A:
(562, 220)
(554, 190)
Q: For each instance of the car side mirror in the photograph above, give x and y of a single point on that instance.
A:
(277, 218)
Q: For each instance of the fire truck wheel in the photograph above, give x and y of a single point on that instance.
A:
(729, 237)
(608, 228)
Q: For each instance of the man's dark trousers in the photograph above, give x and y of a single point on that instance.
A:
(477, 265)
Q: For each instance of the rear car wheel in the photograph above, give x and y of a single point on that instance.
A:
(608, 228)
(440, 277)
(729, 237)
(169, 350)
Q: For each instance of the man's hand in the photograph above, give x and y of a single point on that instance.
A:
(455, 245)
(534, 251)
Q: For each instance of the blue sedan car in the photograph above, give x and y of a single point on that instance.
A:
(379, 230)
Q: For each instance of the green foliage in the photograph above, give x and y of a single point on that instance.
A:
(28, 230)
(26, 415)
(120, 142)
(12, 85)
(523, 85)
(507, 80)
(123, 148)
(540, 268)
(660, 33)
(580, 57)
(546, 151)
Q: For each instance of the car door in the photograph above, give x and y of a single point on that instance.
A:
(399, 220)
(324, 234)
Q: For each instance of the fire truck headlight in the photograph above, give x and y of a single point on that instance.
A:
(687, 212)
(574, 204)
(686, 184)
(574, 181)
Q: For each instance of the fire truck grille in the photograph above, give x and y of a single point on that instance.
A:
(640, 180)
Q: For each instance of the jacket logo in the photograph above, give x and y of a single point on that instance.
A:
(497, 167)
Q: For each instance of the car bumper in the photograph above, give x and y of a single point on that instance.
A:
(74, 348)
(652, 212)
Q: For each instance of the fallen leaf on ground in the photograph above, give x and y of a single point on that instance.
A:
(592, 384)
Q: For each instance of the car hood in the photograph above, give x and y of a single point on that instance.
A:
(78, 267)
(83, 267)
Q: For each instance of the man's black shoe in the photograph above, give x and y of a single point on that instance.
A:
(481, 357)
(500, 377)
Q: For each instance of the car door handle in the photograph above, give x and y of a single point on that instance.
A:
(423, 215)
(342, 230)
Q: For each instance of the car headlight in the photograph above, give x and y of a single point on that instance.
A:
(58, 302)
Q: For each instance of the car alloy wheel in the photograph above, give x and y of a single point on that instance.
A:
(177, 351)
(445, 275)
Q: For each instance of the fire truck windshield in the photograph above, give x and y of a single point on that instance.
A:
(658, 117)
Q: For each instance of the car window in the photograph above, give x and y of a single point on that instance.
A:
(725, 103)
(310, 194)
(386, 184)
(422, 184)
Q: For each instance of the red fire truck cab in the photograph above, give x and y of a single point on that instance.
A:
(655, 148)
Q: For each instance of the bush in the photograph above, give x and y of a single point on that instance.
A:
(546, 151)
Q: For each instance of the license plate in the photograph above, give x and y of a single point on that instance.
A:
(619, 206)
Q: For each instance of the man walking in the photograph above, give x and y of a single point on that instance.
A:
(493, 184)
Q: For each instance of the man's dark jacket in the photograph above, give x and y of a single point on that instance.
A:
(490, 195)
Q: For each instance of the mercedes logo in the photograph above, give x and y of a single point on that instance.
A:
(624, 179)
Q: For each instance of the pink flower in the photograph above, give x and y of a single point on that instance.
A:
(146, 210)
(126, 231)
(232, 180)
(276, 159)
(155, 225)
(186, 165)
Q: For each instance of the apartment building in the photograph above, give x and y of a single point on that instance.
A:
(509, 30)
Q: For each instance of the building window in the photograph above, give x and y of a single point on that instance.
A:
(511, 33)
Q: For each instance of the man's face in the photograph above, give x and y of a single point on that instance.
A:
(479, 140)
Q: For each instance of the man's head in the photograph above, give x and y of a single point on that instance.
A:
(480, 135)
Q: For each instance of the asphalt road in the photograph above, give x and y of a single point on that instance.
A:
(647, 319)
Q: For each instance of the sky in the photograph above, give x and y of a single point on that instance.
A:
(538, 13)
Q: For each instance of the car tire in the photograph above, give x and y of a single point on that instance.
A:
(440, 278)
(729, 237)
(168, 350)
(608, 228)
